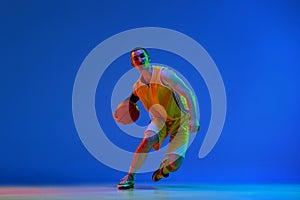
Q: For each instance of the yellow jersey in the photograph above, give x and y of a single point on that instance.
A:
(158, 99)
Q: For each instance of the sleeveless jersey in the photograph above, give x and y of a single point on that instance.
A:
(158, 99)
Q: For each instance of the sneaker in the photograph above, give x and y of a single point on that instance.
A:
(158, 174)
(126, 183)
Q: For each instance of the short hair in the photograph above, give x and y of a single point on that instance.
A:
(139, 48)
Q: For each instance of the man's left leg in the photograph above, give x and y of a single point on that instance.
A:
(179, 139)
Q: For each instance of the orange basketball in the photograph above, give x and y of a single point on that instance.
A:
(127, 112)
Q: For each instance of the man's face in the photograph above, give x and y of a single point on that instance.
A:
(139, 58)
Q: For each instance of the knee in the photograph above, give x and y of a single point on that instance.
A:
(148, 143)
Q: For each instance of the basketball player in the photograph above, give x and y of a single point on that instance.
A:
(173, 108)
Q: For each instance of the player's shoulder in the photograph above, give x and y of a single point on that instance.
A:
(166, 73)
(162, 69)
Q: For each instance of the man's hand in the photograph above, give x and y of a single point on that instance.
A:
(194, 126)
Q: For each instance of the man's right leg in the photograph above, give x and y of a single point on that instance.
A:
(141, 152)
(139, 158)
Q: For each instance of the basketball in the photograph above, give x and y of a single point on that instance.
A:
(127, 112)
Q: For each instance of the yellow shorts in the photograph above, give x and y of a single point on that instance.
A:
(178, 130)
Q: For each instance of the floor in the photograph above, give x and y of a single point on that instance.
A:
(148, 191)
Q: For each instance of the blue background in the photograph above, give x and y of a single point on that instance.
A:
(255, 45)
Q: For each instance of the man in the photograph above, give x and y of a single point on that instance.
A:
(173, 109)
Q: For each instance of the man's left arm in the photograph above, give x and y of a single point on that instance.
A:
(172, 80)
